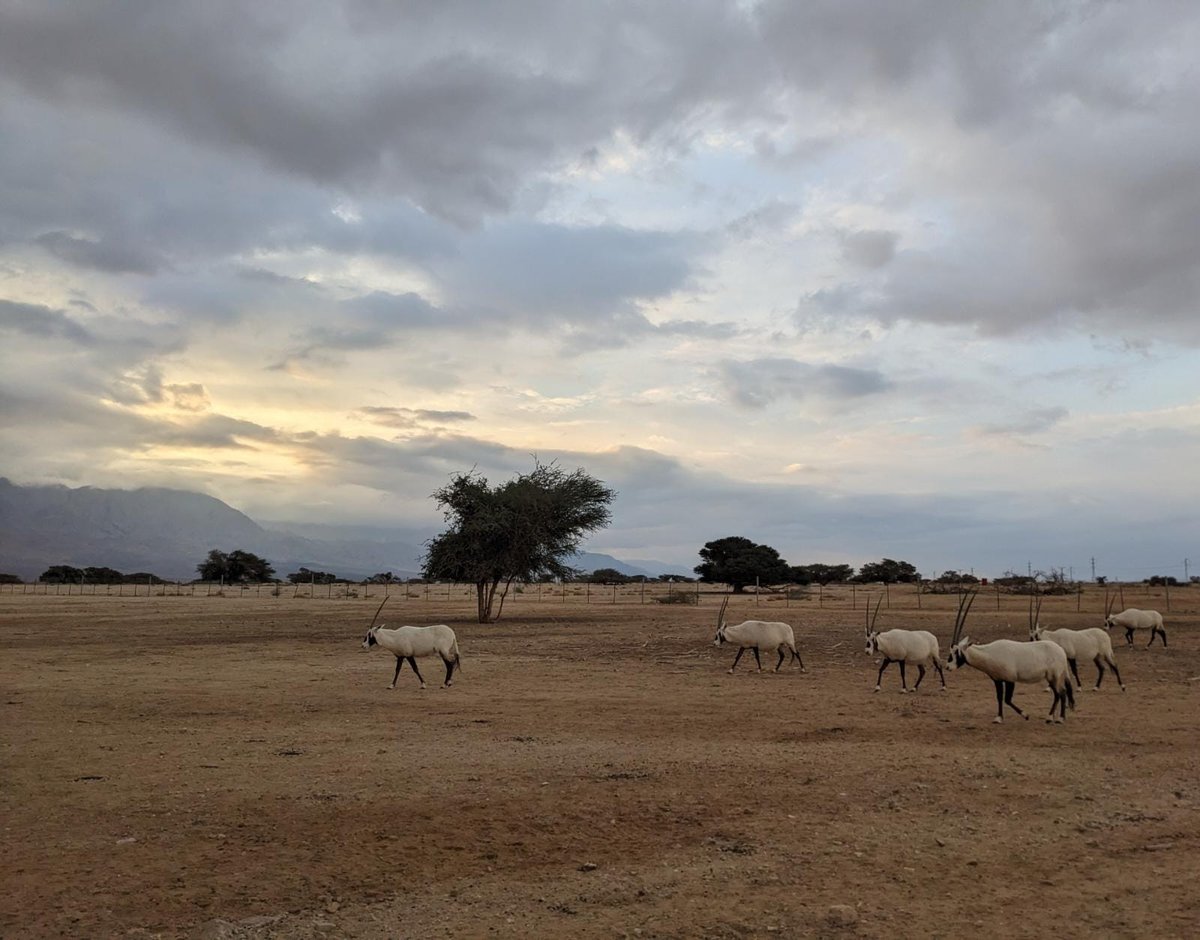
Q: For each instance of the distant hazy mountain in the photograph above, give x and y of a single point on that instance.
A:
(164, 531)
(169, 532)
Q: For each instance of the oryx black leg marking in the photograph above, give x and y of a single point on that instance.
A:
(1009, 687)
(903, 681)
(879, 678)
(741, 649)
(941, 675)
(1054, 702)
(1075, 672)
(1062, 706)
(1164, 636)
(1113, 666)
(449, 669)
(413, 662)
(1129, 638)
(1099, 661)
(920, 676)
(396, 675)
(999, 700)
(798, 659)
(782, 657)
(756, 659)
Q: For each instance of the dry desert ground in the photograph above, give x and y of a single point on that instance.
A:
(235, 766)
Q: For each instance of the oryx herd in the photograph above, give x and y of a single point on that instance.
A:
(1048, 657)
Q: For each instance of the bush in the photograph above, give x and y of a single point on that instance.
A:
(679, 597)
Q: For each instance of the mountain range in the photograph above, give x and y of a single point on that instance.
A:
(168, 532)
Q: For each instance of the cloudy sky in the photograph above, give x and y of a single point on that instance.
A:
(854, 279)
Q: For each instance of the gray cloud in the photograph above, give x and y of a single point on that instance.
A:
(38, 320)
(760, 382)
(103, 256)
(869, 249)
(403, 418)
(1031, 422)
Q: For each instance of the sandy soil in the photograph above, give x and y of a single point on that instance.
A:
(215, 767)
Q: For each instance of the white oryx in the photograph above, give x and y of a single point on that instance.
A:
(1091, 645)
(1132, 619)
(756, 635)
(919, 647)
(407, 643)
(1007, 662)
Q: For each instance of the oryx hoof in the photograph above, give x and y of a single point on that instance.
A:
(730, 672)
(904, 691)
(997, 720)
(876, 688)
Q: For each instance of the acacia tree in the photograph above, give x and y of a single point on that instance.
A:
(889, 571)
(234, 567)
(737, 561)
(518, 530)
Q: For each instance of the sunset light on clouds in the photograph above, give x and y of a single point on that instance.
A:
(852, 279)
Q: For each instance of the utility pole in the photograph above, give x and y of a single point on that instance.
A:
(1186, 579)
(1093, 567)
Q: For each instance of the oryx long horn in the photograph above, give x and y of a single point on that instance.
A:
(721, 613)
(872, 617)
(965, 600)
(376, 617)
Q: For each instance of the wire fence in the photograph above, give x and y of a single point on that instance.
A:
(840, 596)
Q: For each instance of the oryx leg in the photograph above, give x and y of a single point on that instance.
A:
(413, 662)
(1054, 703)
(782, 656)
(879, 678)
(941, 675)
(1129, 637)
(920, 676)
(1075, 673)
(741, 649)
(1113, 666)
(903, 683)
(1009, 687)
(396, 674)
(449, 670)
(796, 654)
(756, 659)
(999, 701)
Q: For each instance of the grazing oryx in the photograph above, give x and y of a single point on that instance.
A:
(1133, 619)
(1092, 644)
(903, 646)
(1007, 662)
(407, 643)
(755, 635)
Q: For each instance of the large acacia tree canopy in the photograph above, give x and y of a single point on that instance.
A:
(737, 561)
(519, 530)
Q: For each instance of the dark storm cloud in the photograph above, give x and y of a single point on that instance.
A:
(757, 383)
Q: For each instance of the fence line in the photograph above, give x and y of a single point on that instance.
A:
(852, 596)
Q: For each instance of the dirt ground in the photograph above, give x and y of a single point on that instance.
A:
(229, 767)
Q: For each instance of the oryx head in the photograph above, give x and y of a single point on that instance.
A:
(958, 642)
(1109, 620)
(369, 640)
(720, 637)
(872, 633)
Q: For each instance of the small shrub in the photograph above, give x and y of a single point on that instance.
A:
(679, 598)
